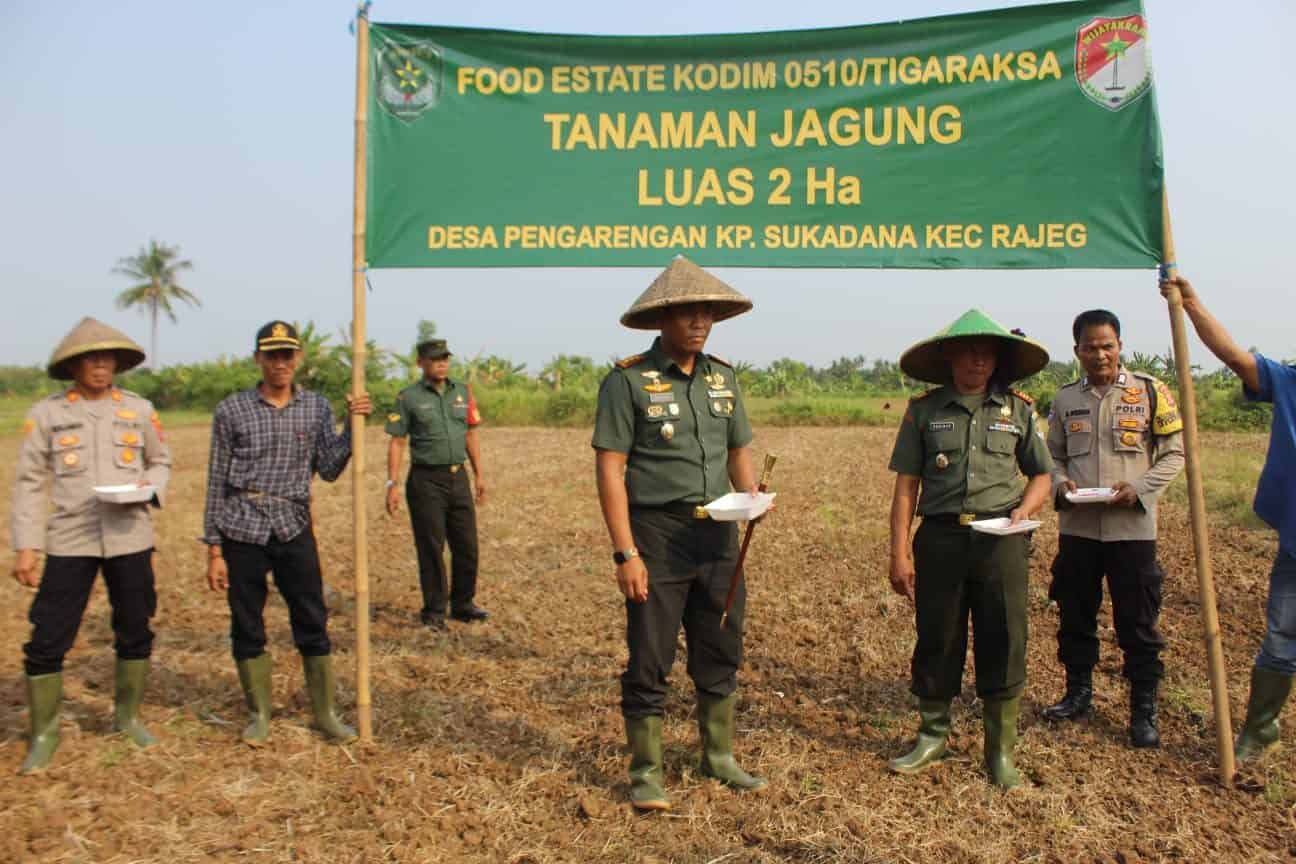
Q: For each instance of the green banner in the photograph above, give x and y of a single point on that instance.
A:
(1014, 138)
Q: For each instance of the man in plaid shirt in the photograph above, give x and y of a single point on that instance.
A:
(267, 443)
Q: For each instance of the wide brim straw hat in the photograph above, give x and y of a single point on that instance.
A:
(681, 283)
(91, 335)
(1018, 356)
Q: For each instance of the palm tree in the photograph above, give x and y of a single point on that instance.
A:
(154, 271)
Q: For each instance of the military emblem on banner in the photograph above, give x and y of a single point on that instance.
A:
(408, 79)
(1111, 61)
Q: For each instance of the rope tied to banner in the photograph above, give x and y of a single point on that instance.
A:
(362, 11)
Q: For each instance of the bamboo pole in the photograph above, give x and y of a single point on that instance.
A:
(1197, 510)
(358, 361)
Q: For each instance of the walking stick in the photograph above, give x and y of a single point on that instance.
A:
(770, 459)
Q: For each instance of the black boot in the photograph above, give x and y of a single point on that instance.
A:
(1143, 714)
(1077, 702)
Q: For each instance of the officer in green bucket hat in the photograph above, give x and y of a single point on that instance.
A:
(957, 457)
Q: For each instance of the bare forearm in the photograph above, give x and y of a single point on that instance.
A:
(395, 457)
(1037, 492)
(1221, 343)
(903, 504)
(610, 475)
(741, 473)
(473, 446)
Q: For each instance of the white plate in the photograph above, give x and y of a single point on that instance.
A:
(1092, 495)
(737, 506)
(125, 494)
(1003, 526)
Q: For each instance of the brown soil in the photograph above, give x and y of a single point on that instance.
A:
(503, 742)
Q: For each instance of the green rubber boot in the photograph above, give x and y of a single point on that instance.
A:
(647, 783)
(254, 675)
(320, 686)
(128, 693)
(716, 723)
(1269, 692)
(1000, 721)
(44, 696)
(933, 732)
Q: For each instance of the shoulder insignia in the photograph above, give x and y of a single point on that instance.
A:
(1075, 383)
(627, 362)
(1029, 400)
(393, 418)
(923, 395)
(1145, 376)
(29, 425)
(723, 362)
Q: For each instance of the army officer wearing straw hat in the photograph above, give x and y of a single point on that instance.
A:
(670, 435)
(92, 434)
(957, 457)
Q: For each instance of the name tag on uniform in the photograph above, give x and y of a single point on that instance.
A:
(661, 397)
(1005, 427)
(720, 394)
(1077, 412)
(941, 426)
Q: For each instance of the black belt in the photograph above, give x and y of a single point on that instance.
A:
(680, 508)
(453, 469)
(964, 518)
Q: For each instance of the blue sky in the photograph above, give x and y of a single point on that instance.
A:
(227, 129)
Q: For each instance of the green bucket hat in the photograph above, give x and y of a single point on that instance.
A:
(1019, 357)
(681, 283)
(91, 335)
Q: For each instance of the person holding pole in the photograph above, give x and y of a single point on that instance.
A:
(670, 435)
(1117, 430)
(440, 418)
(92, 434)
(267, 442)
(957, 459)
(1263, 380)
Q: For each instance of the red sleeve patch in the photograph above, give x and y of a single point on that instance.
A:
(474, 416)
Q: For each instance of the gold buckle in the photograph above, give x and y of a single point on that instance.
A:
(967, 518)
(454, 469)
(700, 512)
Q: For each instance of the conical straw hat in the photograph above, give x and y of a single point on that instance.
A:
(91, 335)
(680, 283)
(1019, 357)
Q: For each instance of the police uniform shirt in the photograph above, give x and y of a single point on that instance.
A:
(677, 430)
(1131, 433)
(72, 444)
(968, 450)
(436, 421)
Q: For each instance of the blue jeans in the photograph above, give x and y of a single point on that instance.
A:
(1278, 651)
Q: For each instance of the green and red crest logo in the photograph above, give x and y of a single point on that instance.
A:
(1111, 60)
(409, 79)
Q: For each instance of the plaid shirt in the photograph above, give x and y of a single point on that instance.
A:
(261, 464)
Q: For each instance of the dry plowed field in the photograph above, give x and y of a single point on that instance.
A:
(502, 742)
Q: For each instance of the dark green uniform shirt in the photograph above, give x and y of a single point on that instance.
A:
(968, 449)
(436, 422)
(676, 429)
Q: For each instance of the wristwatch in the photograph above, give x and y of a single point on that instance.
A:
(621, 556)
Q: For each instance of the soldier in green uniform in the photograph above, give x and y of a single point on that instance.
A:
(957, 459)
(440, 418)
(670, 435)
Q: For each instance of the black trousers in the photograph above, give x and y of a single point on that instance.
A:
(441, 508)
(296, 568)
(61, 602)
(690, 563)
(962, 573)
(1134, 579)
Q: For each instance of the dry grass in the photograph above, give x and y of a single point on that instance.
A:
(503, 742)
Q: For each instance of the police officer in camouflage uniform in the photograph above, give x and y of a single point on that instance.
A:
(1120, 430)
(440, 418)
(670, 435)
(958, 458)
(92, 434)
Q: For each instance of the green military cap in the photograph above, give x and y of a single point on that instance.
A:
(681, 283)
(1019, 357)
(434, 349)
(89, 336)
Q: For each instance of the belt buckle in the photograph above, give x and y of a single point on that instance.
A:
(454, 469)
(700, 512)
(967, 518)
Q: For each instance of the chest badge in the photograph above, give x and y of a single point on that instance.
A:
(667, 431)
(1129, 439)
(1131, 400)
(69, 441)
(942, 461)
(128, 456)
(673, 408)
(70, 459)
(126, 414)
(1005, 411)
(655, 411)
(1134, 391)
